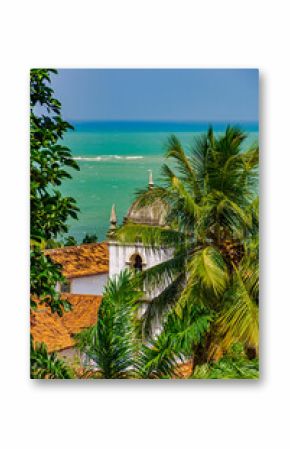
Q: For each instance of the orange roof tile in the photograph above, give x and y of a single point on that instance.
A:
(55, 331)
(184, 370)
(84, 313)
(82, 260)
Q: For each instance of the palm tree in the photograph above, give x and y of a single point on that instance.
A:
(112, 342)
(234, 365)
(212, 225)
(45, 365)
(116, 347)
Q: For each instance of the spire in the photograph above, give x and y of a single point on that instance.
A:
(151, 183)
(113, 218)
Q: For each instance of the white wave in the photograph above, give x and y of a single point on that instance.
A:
(108, 157)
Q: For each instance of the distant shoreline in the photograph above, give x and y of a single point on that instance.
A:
(160, 126)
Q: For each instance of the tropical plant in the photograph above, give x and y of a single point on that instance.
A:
(90, 238)
(210, 194)
(49, 210)
(70, 240)
(162, 355)
(114, 343)
(111, 342)
(45, 365)
(234, 365)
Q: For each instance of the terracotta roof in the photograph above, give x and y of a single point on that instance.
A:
(184, 370)
(84, 313)
(82, 260)
(57, 332)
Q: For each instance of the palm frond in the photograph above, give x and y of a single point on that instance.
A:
(239, 320)
(207, 279)
(159, 306)
(229, 143)
(249, 268)
(227, 213)
(45, 365)
(187, 204)
(152, 236)
(208, 267)
(176, 152)
(234, 365)
(251, 157)
(199, 158)
(162, 355)
(112, 343)
(167, 174)
(160, 275)
(148, 196)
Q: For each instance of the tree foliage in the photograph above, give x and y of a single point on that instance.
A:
(90, 238)
(44, 365)
(179, 337)
(115, 344)
(70, 241)
(49, 164)
(234, 365)
(112, 342)
(210, 193)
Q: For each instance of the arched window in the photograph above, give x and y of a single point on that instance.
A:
(136, 262)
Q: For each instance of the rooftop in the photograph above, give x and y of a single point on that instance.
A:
(82, 260)
(57, 332)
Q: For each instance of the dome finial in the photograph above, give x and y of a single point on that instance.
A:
(113, 218)
(151, 183)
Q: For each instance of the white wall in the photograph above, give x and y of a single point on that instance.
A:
(89, 285)
(119, 259)
(120, 254)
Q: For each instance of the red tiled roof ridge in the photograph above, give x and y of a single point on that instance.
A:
(67, 248)
(81, 260)
(80, 295)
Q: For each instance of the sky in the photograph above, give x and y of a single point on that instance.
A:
(158, 94)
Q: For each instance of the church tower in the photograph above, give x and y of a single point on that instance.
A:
(135, 255)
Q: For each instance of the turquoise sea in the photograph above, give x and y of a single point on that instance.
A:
(114, 159)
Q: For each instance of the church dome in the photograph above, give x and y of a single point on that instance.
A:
(153, 214)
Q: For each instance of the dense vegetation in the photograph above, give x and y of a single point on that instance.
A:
(114, 347)
(212, 223)
(47, 366)
(207, 312)
(115, 343)
(49, 210)
(233, 365)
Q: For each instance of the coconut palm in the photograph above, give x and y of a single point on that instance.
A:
(112, 343)
(210, 194)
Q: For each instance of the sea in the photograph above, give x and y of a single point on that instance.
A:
(115, 159)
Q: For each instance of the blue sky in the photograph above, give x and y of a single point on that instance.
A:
(158, 94)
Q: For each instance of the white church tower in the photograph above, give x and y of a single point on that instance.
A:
(135, 255)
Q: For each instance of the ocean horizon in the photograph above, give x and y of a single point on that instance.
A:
(114, 159)
(160, 125)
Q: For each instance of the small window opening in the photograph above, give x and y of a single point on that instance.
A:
(137, 263)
